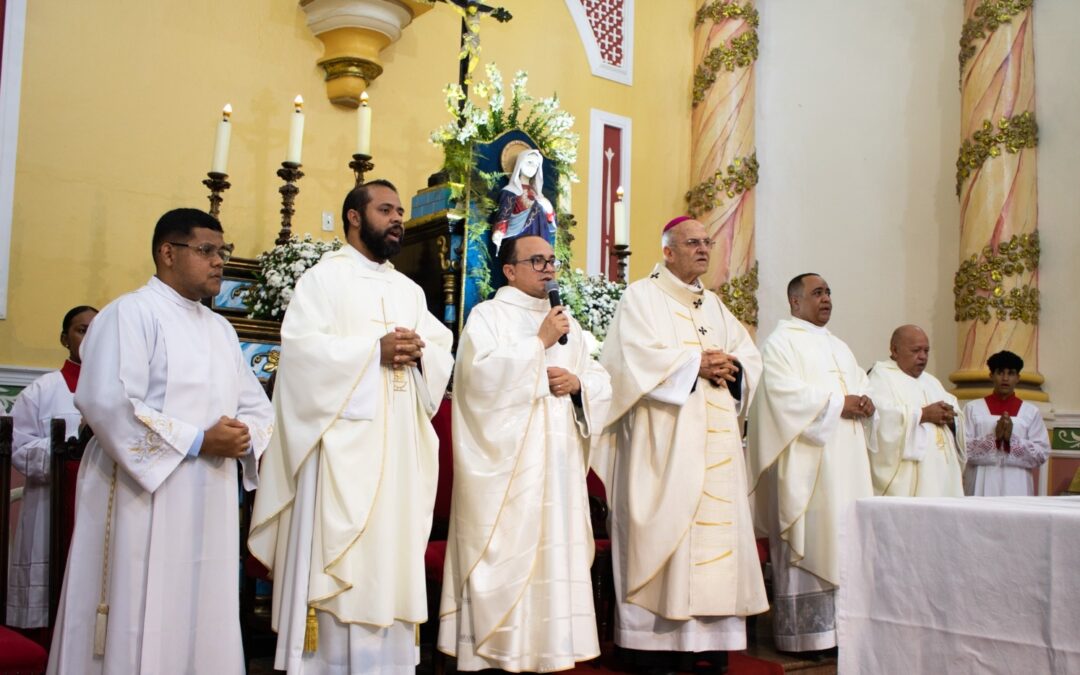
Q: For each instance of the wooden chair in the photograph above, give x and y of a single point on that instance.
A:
(66, 456)
(18, 654)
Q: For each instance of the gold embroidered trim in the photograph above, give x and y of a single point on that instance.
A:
(716, 559)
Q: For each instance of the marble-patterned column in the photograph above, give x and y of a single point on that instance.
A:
(997, 285)
(723, 160)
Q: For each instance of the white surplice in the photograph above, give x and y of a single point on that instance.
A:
(343, 511)
(45, 398)
(807, 465)
(992, 472)
(685, 562)
(517, 594)
(157, 369)
(914, 458)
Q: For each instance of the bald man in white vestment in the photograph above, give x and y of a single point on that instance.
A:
(920, 433)
(682, 370)
(808, 462)
(152, 583)
(517, 593)
(343, 512)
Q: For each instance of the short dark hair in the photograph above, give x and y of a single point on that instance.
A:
(74, 312)
(507, 252)
(358, 199)
(1004, 360)
(795, 286)
(180, 223)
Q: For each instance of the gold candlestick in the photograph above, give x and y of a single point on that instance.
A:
(290, 173)
(360, 165)
(217, 183)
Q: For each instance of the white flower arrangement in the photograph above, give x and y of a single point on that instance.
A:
(279, 270)
(592, 301)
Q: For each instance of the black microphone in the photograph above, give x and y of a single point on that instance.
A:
(552, 289)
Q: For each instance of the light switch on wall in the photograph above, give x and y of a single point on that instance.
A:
(327, 221)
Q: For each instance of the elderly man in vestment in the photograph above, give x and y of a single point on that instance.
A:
(343, 513)
(517, 594)
(920, 443)
(1006, 437)
(682, 369)
(152, 579)
(808, 462)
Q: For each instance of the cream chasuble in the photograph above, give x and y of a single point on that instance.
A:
(517, 593)
(807, 465)
(31, 453)
(682, 535)
(157, 369)
(914, 459)
(343, 512)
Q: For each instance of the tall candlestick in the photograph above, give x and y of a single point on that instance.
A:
(622, 228)
(221, 143)
(296, 132)
(363, 126)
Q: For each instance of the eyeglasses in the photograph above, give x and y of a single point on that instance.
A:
(208, 250)
(695, 243)
(539, 263)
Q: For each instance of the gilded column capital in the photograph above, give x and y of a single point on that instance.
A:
(353, 32)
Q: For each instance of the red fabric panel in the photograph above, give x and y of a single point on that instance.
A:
(763, 550)
(433, 561)
(441, 422)
(595, 486)
(20, 655)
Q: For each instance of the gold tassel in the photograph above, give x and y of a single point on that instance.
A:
(311, 632)
(100, 626)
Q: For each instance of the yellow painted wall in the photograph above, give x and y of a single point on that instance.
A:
(120, 101)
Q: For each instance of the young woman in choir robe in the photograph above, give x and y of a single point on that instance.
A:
(50, 396)
(1006, 437)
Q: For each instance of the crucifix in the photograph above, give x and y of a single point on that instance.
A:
(470, 11)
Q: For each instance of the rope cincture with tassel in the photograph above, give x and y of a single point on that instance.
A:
(311, 632)
(101, 621)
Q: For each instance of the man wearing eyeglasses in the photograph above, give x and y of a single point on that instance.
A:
(343, 512)
(808, 460)
(683, 370)
(517, 593)
(152, 583)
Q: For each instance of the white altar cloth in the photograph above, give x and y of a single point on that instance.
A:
(960, 585)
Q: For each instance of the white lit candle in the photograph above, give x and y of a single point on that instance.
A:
(221, 143)
(296, 131)
(363, 126)
(622, 228)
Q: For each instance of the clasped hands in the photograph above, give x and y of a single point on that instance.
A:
(717, 367)
(857, 407)
(229, 437)
(1003, 429)
(940, 413)
(400, 347)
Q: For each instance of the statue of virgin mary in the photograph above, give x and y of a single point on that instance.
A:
(523, 208)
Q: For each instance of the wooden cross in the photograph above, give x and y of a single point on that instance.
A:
(469, 9)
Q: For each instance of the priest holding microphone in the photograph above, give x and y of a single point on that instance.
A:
(517, 594)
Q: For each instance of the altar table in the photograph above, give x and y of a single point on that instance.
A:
(960, 585)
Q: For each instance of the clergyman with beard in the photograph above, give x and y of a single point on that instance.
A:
(343, 511)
